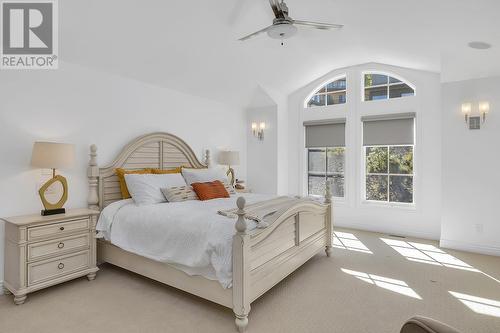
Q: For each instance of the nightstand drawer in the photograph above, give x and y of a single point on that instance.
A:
(54, 230)
(58, 246)
(50, 269)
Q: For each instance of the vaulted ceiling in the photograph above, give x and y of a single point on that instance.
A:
(192, 46)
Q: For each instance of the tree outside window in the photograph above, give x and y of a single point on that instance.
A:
(326, 164)
(389, 173)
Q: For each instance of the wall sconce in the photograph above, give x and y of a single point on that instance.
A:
(258, 130)
(474, 122)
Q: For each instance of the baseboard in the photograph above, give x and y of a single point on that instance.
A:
(469, 247)
(381, 229)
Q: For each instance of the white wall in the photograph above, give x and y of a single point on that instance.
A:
(262, 174)
(424, 219)
(282, 144)
(471, 161)
(82, 106)
(280, 102)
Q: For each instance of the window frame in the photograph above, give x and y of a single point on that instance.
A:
(388, 85)
(327, 174)
(364, 174)
(315, 91)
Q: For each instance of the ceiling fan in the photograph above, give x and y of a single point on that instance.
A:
(284, 26)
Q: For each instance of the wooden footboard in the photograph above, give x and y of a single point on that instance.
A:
(263, 257)
(286, 244)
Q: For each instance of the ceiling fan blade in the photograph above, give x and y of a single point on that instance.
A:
(317, 25)
(254, 34)
(276, 8)
(283, 8)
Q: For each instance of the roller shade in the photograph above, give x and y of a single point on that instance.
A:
(395, 129)
(325, 134)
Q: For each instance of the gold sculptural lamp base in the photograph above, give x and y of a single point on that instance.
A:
(54, 208)
(229, 158)
(230, 174)
(53, 155)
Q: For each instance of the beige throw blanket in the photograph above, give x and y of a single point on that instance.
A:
(259, 211)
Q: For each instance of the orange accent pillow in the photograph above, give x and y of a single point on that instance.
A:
(121, 178)
(210, 190)
(167, 171)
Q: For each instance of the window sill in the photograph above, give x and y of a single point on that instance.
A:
(390, 205)
(387, 99)
(324, 107)
(337, 201)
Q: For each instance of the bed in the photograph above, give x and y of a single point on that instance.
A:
(261, 255)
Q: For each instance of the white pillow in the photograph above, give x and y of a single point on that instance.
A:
(145, 189)
(204, 175)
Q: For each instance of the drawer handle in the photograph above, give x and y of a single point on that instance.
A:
(60, 266)
(61, 228)
(60, 245)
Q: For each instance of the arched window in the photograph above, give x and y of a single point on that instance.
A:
(382, 86)
(332, 93)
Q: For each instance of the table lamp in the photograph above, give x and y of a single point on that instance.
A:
(51, 155)
(229, 158)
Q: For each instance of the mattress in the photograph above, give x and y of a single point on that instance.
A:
(189, 235)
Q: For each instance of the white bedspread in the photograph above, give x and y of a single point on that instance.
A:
(190, 235)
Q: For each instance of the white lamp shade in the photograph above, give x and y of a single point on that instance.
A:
(51, 155)
(484, 107)
(229, 158)
(466, 108)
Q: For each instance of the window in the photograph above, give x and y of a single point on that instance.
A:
(325, 146)
(389, 173)
(326, 164)
(330, 94)
(388, 155)
(380, 86)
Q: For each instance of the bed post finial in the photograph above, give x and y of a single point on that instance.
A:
(241, 269)
(93, 176)
(241, 224)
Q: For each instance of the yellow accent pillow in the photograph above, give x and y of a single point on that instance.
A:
(121, 178)
(168, 171)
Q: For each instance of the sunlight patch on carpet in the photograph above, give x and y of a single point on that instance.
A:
(479, 305)
(347, 241)
(394, 285)
(428, 254)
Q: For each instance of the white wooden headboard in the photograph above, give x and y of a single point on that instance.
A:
(155, 150)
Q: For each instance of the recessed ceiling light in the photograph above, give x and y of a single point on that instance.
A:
(479, 45)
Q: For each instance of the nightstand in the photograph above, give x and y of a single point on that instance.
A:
(41, 251)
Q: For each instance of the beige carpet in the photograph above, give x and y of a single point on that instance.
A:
(319, 297)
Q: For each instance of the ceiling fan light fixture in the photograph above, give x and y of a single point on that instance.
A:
(282, 31)
(284, 26)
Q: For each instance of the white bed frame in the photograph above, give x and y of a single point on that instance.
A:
(261, 257)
